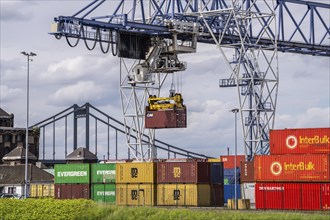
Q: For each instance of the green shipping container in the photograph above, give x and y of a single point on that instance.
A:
(104, 193)
(103, 173)
(72, 173)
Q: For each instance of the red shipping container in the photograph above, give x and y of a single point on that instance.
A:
(183, 172)
(311, 194)
(292, 196)
(269, 195)
(166, 118)
(325, 196)
(229, 161)
(292, 168)
(300, 141)
(72, 191)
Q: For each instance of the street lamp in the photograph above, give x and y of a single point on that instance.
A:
(235, 110)
(28, 55)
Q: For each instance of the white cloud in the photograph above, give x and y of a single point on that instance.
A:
(81, 92)
(7, 94)
(311, 118)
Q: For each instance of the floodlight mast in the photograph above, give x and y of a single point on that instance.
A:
(28, 55)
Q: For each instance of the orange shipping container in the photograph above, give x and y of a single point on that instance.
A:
(292, 168)
(300, 141)
(229, 161)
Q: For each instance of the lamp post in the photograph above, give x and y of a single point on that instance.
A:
(28, 55)
(235, 110)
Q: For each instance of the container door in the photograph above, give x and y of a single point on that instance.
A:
(269, 195)
(311, 196)
(325, 196)
(142, 197)
(259, 197)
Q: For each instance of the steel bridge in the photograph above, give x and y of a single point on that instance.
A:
(62, 133)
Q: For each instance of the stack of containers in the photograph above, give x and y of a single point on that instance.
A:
(229, 176)
(297, 173)
(190, 183)
(136, 183)
(248, 181)
(72, 181)
(103, 188)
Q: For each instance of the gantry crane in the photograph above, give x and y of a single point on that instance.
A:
(149, 35)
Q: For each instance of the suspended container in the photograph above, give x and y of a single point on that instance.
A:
(41, 190)
(229, 161)
(136, 194)
(300, 141)
(292, 168)
(72, 191)
(103, 173)
(168, 112)
(72, 173)
(136, 172)
(183, 172)
(189, 195)
(293, 196)
(104, 192)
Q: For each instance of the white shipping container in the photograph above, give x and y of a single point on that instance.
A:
(248, 191)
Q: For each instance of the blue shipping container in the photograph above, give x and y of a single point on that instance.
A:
(229, 176)
(229, 192)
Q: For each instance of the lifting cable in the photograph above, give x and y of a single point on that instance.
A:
(78, 38)
(101, 45)
(95, 40)
(114, 41)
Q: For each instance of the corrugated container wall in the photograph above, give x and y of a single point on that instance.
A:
(104, 192)
(166, 119)
(72, 173)
(300, 141)
(229, 176)
(183, 172)
(143, 194)
(229, 161)
(217, 173)
(247, 172)
(139, 172)
(248, 191)
(41, 190)
(229, 192)
(72, 191)
(293, 196)
(184, 194)
(293, 168)
(103, 173)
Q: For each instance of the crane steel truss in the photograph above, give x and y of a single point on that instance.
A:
(253, 69)
(247, 26)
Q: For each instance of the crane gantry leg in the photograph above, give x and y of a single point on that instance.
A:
(253, 69)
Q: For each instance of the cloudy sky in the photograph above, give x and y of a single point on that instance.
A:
(61, 76)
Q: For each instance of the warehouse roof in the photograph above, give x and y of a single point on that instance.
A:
(16, 174)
